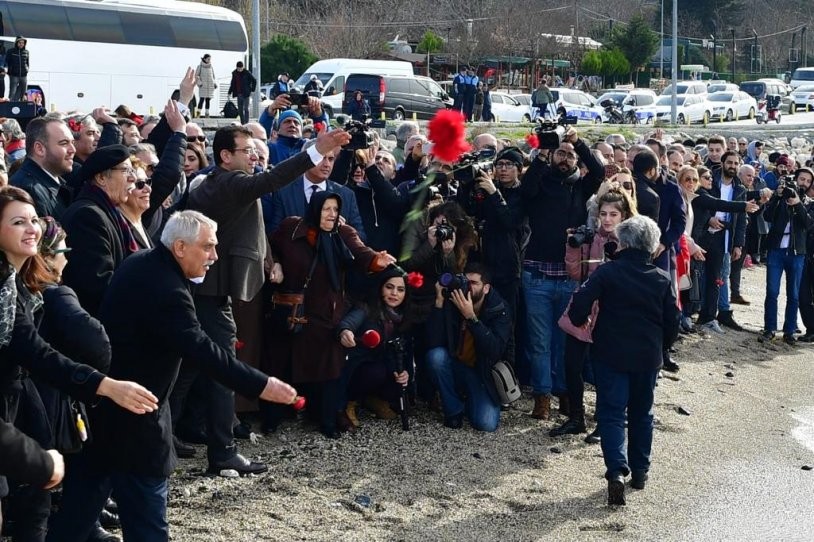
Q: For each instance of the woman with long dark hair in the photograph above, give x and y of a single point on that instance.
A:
(315, 252)
(375, 371)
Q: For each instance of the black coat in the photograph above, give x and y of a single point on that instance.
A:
(22, 457)
(50, 198)
(648, 202)
(704, 206)
(554, 203)
(149, 314)
(503, 229)
(243, 84)
(17, 61)
(779, 215)
(95, 239)
(491, 333)
(638, 317)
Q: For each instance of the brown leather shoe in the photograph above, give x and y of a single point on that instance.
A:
(350, 412)
(565, 404)
(542, 407)
(380, 408)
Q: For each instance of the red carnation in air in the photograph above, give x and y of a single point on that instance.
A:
(532, 140)
(415, 279)
(448, 135)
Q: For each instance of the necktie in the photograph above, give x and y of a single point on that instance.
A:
(314, 190)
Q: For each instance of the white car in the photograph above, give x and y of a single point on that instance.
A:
(731, 105)
(506, 109)
(722, 87)
(576, 104)
(804, 97)
(689, 108)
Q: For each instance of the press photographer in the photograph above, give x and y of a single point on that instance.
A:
(467, 333)
(786, 244)
(494, 200)
(555, 197)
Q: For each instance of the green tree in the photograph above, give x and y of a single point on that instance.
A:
(708, 12)
(614, 63)
(430, 43)
(636, 41)
(284, 54)
(592, 63)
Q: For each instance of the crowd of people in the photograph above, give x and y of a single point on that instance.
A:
(148, 271)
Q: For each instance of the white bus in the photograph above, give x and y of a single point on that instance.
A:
(89, 53)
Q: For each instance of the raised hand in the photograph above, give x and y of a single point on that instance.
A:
(175, 119)
(328, 141)
(187, 86)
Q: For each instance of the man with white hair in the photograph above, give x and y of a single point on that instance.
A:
(404, 132)
(137, 451)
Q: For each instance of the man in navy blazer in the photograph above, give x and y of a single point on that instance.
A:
(291, 200)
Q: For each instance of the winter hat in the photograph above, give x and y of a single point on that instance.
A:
(784, 160)
(513, 154)
(103, 159)
(287, 114)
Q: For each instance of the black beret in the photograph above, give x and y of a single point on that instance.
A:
(103, 159)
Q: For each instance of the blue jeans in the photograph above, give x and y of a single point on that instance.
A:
(723, 293)
(142, 504)
(618, 393)
(777, 261)
(448, 375)
(546, 300)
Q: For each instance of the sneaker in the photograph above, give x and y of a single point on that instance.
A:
(789, 340)
(712, 326)
(686, 324)
(725, 319)
(766, 336)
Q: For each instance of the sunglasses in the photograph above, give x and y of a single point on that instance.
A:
(141, 184)
(193, 139)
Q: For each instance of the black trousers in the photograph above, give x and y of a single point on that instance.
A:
(215, 315)
(509, 290)
(712, 274)
(735, 268)
(576, 353)
(806, 296)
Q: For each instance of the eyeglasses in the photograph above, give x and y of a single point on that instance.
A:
(140, 184)
(504, 165)
(707, 177)
(567, 155)
(248, 151)
(128, 171)
(193, 139)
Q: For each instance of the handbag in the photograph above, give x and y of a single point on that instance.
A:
(584, 332)
(71, 428)
(506, 384)
(694, 292)
(289, 308)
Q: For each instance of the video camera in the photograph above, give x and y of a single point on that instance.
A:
(452, 282)
(361, 135)
(790, 188)
(550, 133)
(470, 165)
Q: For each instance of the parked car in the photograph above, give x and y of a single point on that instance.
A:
(577, 104)
(507, 109)
(804, 97)
(689, 108)
(722, 87)
(732, 105)
(686, 87)
(761, 88)
(398, 96)
(802, 76)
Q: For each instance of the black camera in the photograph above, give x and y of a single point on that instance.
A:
(790, 187)
(470, 165)
(361, 135)
(298, 98)
(452, 282)
(550, 133)
(581, 236)
(444, 232)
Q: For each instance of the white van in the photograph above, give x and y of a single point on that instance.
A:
(333, 72)
(802, 76)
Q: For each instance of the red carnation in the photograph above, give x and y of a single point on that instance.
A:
(415, 279)
(298, 403)
(448, 135)
(532, 140)
(239, 344)
(319, 127)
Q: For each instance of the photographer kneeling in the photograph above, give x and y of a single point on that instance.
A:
(467, 333)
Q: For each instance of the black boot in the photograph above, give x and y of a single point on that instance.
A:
(574, 426)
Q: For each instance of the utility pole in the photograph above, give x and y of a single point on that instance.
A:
(256, 56)
(714, 50)
(756, 68)
(661, 45)
(674, 54)
(734, 53)
(793, 39)
(804, 43)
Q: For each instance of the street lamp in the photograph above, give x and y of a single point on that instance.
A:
(734, 53)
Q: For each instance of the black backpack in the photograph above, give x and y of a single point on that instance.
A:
(230, 110)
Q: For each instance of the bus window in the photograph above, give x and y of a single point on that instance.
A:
(232, 37)
(95, 25)
(195, 33)
(32, 20)
(147, 29)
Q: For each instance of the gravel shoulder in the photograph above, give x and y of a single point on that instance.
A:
(731, 470)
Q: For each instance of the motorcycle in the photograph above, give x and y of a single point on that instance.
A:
(768, 109)
(612, 112)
